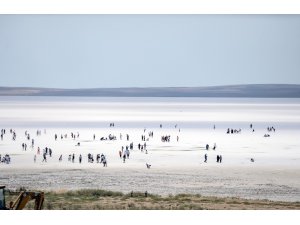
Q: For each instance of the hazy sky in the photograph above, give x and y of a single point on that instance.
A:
(82, 51)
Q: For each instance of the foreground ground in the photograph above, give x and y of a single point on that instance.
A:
(90, 199)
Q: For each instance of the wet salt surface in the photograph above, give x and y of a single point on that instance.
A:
(177, 167)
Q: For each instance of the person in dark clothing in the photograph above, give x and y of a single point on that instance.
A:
(44, 158)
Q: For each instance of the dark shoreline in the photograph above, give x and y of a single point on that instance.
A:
(228, 91)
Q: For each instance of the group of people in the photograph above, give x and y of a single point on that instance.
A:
(24, 146)
(219, 158)
(166, 138)
(142, 147)
(100, 158)
(62, 136)
(14, 135)
(233, 131)
(5, 159)
(270, 129)
(214, 147)
(124, 153)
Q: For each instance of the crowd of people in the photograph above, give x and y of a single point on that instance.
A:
(124, 152)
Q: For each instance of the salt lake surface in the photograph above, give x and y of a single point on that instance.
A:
(176, 166)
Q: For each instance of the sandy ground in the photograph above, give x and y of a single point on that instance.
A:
(252, 183)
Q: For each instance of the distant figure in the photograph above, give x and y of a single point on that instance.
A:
(252, 160)
(44, 158)
(60, 158)
(34, 158)
(220, 158)
(215, 146)
(80, 158)
(205, 158)
(104, 162)
(207, 147)
(148, 166)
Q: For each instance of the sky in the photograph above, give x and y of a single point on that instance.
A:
(103, 51)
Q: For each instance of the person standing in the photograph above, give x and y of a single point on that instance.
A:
(44, 158)
(205, 158)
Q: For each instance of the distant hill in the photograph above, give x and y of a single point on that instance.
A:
(249, 91)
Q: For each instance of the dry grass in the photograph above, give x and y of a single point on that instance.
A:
(109, 200)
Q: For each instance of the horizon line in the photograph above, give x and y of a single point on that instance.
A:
(140, 87)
